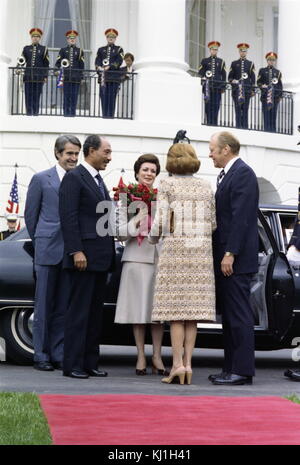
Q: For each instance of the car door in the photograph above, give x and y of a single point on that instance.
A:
(279, 285)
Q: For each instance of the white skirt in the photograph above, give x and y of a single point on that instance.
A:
(135, 298)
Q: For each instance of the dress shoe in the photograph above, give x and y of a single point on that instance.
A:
(218, 375)
(233, 380)
(57, 365)
(99, 373)
(141, 372)
(188, 376)
(179, 373)
(288, 373)
(76, 374)
(295, 375)
(43, 366)
(159, 371)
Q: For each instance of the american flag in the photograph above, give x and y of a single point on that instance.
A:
(60, 80)
(13, 201)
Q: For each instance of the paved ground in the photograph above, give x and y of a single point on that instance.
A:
(120, 363)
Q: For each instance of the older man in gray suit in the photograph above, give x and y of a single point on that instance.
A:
(43, 224)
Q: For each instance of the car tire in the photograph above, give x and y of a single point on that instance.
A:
(16, 330)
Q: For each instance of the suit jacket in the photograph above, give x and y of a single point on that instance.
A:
(295, 239)
(42, 217)
(79, 196)
(236, 211)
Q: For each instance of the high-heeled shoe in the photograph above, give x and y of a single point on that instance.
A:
(159, 371)
(188, 376)
(177, 373)
(141, 372)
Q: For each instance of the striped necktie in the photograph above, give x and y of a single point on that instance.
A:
(220, 177)
(101, 185)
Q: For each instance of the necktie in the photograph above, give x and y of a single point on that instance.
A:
(101, 185)
(220, 177)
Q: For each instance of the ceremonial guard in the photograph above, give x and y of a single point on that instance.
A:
(36, 60)
(213, 73)
(107, 63)
(269, 81)
(11, 219)
(242, 78)
(71, 62)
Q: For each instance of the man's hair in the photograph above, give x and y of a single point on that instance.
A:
(91, 142)
(61, 142)
(226, 138)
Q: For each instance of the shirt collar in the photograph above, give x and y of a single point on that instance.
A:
(60, 171)
(93, 172)
(229, 164)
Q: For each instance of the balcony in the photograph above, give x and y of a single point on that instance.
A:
(51, 100)
(257, 118)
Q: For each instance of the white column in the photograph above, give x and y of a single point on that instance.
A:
(165, 92)
(288, 51)
(288, 43)
(4, 58)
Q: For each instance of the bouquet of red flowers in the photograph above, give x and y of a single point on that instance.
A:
(137, 192)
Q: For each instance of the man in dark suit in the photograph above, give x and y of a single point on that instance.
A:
(88, 258)
(36, 71)
(235, 245)
(43, 224)
(242, 78)
(73, 58)
(269, 81)
(108, 61)
(213, 73)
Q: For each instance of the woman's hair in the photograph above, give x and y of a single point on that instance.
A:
(182, 159)
(226, 138)
(129, 55)
(146, 158)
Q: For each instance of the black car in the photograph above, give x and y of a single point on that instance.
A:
(275, 293)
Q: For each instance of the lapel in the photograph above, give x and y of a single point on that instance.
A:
(228, 176)
(54, 180)
(89, 181)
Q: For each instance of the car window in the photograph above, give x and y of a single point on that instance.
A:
(265, 246)
(287, 221)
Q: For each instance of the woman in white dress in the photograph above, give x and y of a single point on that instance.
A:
(135, 299)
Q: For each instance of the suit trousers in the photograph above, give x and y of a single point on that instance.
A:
(83, 320)
(51, 300)
(238, 323)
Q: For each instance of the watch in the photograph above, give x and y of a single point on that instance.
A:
(228, 254)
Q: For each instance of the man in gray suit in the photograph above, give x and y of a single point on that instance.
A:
(43, 224)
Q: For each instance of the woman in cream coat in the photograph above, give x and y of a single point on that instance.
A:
(135, 299)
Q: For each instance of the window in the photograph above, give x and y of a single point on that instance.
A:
(56, 17)
(195, 32)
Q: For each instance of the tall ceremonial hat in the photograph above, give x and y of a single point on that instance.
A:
(35, 31)
(271, 55)
(111, 31)
(243, 46)
(72, 34)
(214, 44)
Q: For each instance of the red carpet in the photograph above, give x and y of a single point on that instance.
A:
(171, 420)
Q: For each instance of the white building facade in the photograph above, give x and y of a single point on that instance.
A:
(167, 38)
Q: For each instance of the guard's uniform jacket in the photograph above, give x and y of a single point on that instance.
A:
(75, 56)
(237, 69)
(265, 76)
(114, 54)
(36, 56)
(217, 67)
